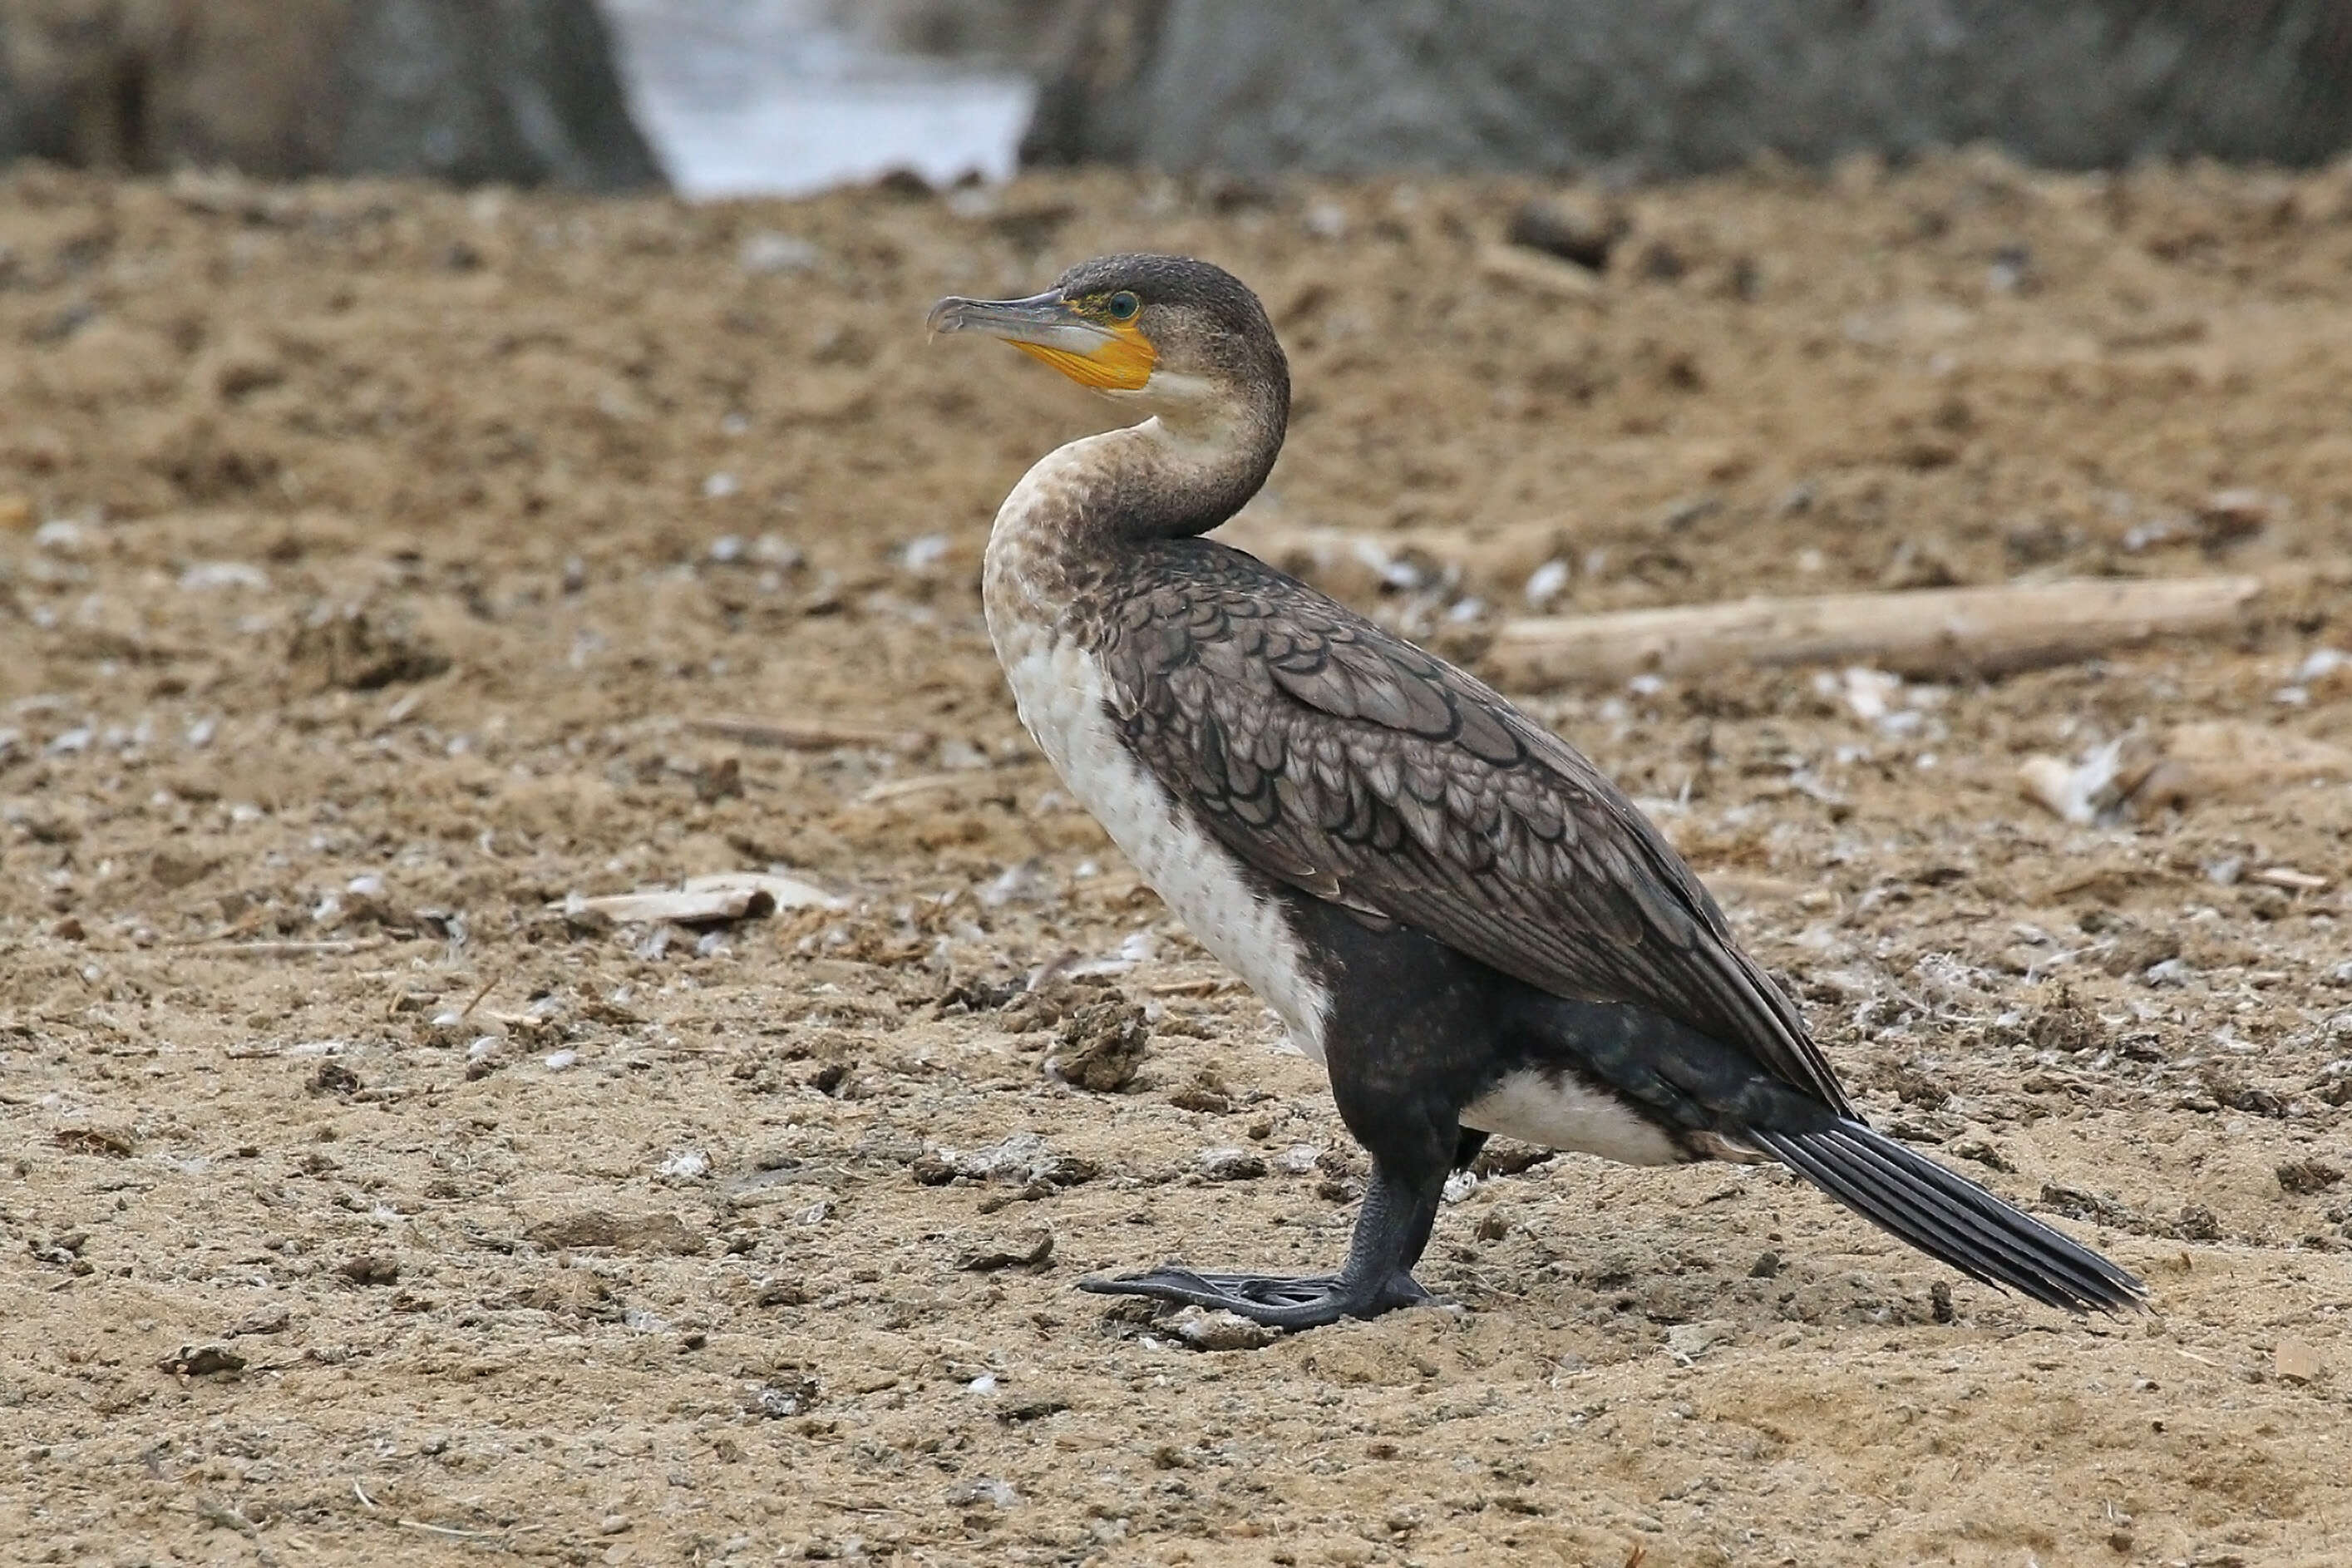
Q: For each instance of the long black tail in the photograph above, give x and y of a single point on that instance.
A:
(1948, 1217)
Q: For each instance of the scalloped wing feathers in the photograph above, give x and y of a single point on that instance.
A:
(1363, 770)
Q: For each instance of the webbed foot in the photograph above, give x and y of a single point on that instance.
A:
(1281, 1301)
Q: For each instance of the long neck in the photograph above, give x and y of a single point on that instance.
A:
(1054, 555)
(1183, 471)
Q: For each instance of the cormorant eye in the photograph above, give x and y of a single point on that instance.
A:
(1122, 306)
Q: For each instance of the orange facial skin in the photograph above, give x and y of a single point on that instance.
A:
(1123, 363)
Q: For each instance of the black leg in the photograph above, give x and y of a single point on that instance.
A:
(1390, 1231)
(1412, 1034)
(1417, 1242)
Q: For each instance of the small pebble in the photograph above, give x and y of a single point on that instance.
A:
(1221, 1331)
(61, 536)
(1326, 220)
(777, 1401)
(768, 253)
(2296, 1361)
(1691, 1341)
(1228, 1164)
(203, 576)
(1023, 883)
(982, 1489)
(1028, 1248)
(202, 1360)
(1547, 583)
(686, 1165)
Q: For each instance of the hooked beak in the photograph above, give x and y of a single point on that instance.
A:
(1108, 358)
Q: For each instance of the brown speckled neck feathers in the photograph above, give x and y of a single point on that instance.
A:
(1173, 474)
(1160, 480)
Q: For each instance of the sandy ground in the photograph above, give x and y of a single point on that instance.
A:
(373, 562)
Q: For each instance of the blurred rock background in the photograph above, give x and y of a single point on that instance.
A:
(1679, 86)
(783, 95)
(522, 91)
(1026, 35)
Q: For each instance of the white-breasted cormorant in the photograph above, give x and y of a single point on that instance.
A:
(1452, 910)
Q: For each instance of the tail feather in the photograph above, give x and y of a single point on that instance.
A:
(1947, 1216)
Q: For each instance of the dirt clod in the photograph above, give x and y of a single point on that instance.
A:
(1510, 1160)
(1227, 1164)
(641, 1233)
(332, 1078)
(1103, 1046)
(2303, 1177)
(347, 650)
(1201, 1097)
(2296, 1361)
(368, 1268)
(1028, 1248)
(782, 1397)
(113, 1142)
(202, 1361)
(267, 1321)
(1576, 232)
(2066, 1026)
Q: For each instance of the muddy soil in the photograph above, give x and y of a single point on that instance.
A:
(383, 567)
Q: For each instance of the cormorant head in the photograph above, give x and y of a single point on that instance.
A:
(1186, 339)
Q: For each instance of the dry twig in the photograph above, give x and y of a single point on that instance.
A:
(807, 735)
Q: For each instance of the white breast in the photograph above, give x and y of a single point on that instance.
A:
(1060, 690)
(1557, 1111)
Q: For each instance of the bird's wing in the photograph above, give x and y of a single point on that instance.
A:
(1349, 764)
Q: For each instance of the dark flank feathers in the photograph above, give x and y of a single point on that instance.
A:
(1347, 764)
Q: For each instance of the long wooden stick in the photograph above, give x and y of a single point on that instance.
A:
(807, 735)
(1941, 633)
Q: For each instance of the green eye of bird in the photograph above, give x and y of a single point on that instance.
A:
(1122, 306)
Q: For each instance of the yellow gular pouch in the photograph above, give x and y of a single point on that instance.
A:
(1121, 363)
